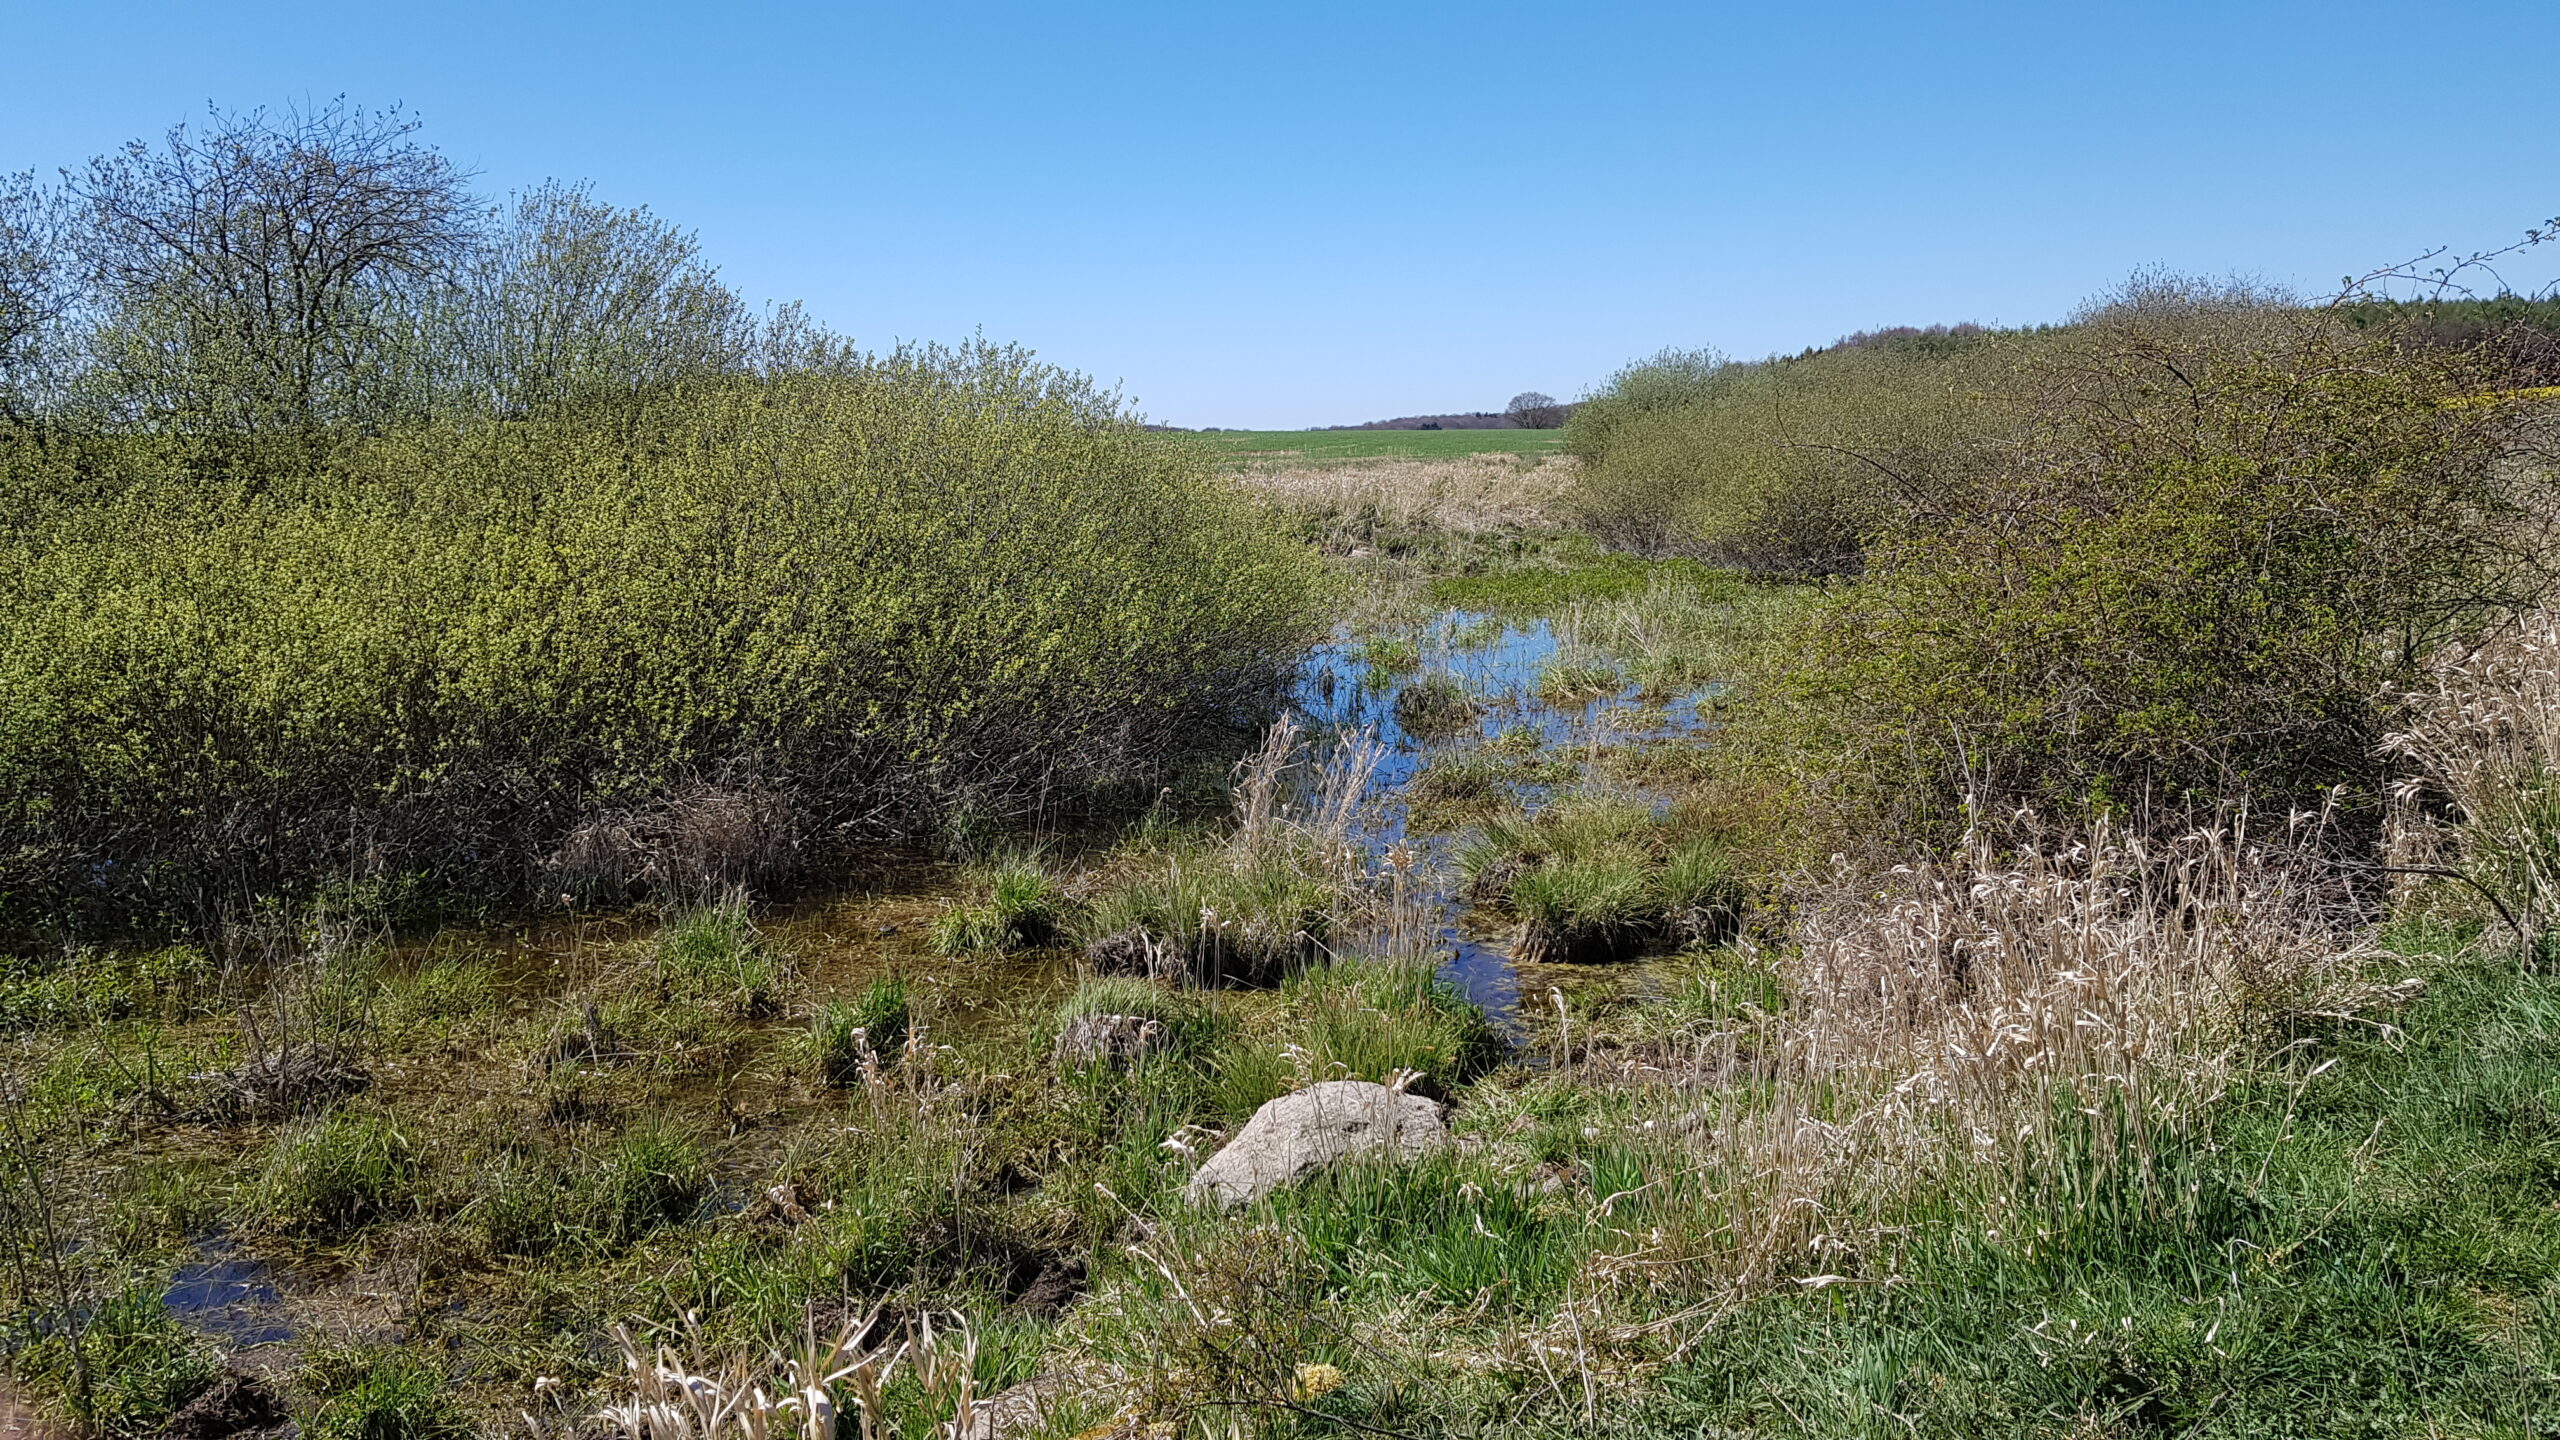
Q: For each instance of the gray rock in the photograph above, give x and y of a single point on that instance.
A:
(1110, 1039)
(1301, 1133)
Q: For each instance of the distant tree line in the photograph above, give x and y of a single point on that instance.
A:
(260, 273)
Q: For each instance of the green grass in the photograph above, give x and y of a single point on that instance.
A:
(713, 953)
(377, 1392)
(328, 1176)
(1189, 1026)
(842, 1029)
(141, 1363)
(1266, 445)
(1022, 909)
(2373, 1258)
(1249, 919)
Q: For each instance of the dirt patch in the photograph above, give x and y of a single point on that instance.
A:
(235, 1404)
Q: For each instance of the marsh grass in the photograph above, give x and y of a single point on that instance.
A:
(377, 1392)
(328, 1176)
(1435, 705)
(1576, 678)
(843, 1032)
(1379, 1019)
(1600, 877)
(1190, 1027)
(714, 953)
(2483, 736)
(1023, 909)
(136, 1364)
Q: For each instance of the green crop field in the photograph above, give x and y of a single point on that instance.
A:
(1377, 444)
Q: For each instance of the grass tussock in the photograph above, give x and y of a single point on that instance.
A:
(1285, 888)
(1596, 877)
(846, 1037)
(714, 954)
(1023, 909)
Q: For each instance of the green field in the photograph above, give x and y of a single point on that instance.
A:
(1375, 444)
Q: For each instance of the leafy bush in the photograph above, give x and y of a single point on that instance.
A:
(1786, 466)
(651, 645)
(2234, 531)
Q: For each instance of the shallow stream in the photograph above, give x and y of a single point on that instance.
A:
(1339, 692)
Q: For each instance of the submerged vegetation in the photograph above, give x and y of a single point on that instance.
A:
(679, 880)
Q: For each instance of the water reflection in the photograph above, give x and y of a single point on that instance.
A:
(1339, 692)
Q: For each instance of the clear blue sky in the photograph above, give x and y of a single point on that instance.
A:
(1315, 213)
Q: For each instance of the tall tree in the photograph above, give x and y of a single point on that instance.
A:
(573, 299)
(255, 273)
(37, 296)
(1531, 410)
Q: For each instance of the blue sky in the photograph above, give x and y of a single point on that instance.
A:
(1319, 213)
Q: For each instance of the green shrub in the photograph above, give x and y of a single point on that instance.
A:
(842, 1030)
(1785, 466)
(2226, 543)
(141, 1365)
(327, 1176)
(660, 644)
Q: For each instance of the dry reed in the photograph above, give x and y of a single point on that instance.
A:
(2026, 1028)
(2484, 740)
(1465, 495)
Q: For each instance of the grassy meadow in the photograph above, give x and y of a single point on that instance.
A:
(1963, 884)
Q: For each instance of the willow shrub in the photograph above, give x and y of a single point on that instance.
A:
(1788, 466)
(864, 600)
(2190, 584)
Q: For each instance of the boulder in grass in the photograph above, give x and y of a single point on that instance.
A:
(1308, 1130)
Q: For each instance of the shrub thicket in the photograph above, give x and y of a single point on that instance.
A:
(628, 646)
(2195, 589)
(1788, 466)
(2161, 559)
